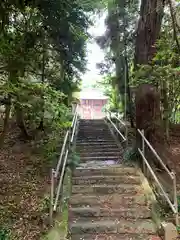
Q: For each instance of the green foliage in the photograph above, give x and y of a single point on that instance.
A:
(131, 155)
(73, 160)
(112, 92)
(4, 234)
(155, 74)
(44, 205)
(178, 202)
(163, 72)
(164, 78)
(42, 53)
(49, 147)
(118, 44)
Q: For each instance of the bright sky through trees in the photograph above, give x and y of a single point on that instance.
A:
(95, 54)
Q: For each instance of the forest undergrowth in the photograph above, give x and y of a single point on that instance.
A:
(25, 184)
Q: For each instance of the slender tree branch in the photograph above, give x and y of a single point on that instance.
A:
(174, 25)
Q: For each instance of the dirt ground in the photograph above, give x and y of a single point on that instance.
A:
(24, 181)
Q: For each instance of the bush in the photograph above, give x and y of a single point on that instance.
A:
(4, 233)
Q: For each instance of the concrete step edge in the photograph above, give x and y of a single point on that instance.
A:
(109, 226)
(128, 236)
(104, 213)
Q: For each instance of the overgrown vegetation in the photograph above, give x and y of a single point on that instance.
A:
(142, 75)
(127, 65)
(43, 55)
(40, 62)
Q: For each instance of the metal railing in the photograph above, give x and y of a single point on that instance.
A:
(57, 174)
(172, 204)
(110, 116)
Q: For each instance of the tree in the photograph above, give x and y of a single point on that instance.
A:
(43, 52)
(148, 31)
(148, 57)
(118, 42)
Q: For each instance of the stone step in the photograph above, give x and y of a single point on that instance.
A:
(105, 171)
(105, 179)
(100, 124)
(94, 129)
(107, 189)
(98, 213)
(100, 158)
(91, 131)
(94, 135)
(98, 164)
(135, 226)
(99, 150)
(94, 138)
(128, 236)
(104, 144)
(98, 154)
(99, 127)
(97, 147)
(92, 121)
(113, 200)
(95, 141)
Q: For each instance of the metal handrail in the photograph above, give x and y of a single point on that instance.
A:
(160, 185)
(174, 205)
(116, 117)
(114, 125)
(155, 154)
(67, 143)
(60, 181)
(125, 138)
(72, 124)
(74, 127)
(61, 155)
(120, 120)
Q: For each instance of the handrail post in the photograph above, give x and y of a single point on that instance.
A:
(116, 122)
(172, 203)
(155, 154)
(175, 198)
(143, 150)
(62, 153)
(60, 181)
(66, 148)
(126, 135)
(52, 197)
(116, 114)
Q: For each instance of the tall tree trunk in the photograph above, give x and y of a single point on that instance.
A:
(20, 121)
(165, 109)
(148, 113)
(151, 14)
(113, 25)
(130, 112)
(174, 25)
(6, 119)
(41, 125)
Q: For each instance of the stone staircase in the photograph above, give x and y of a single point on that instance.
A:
(107, 201)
